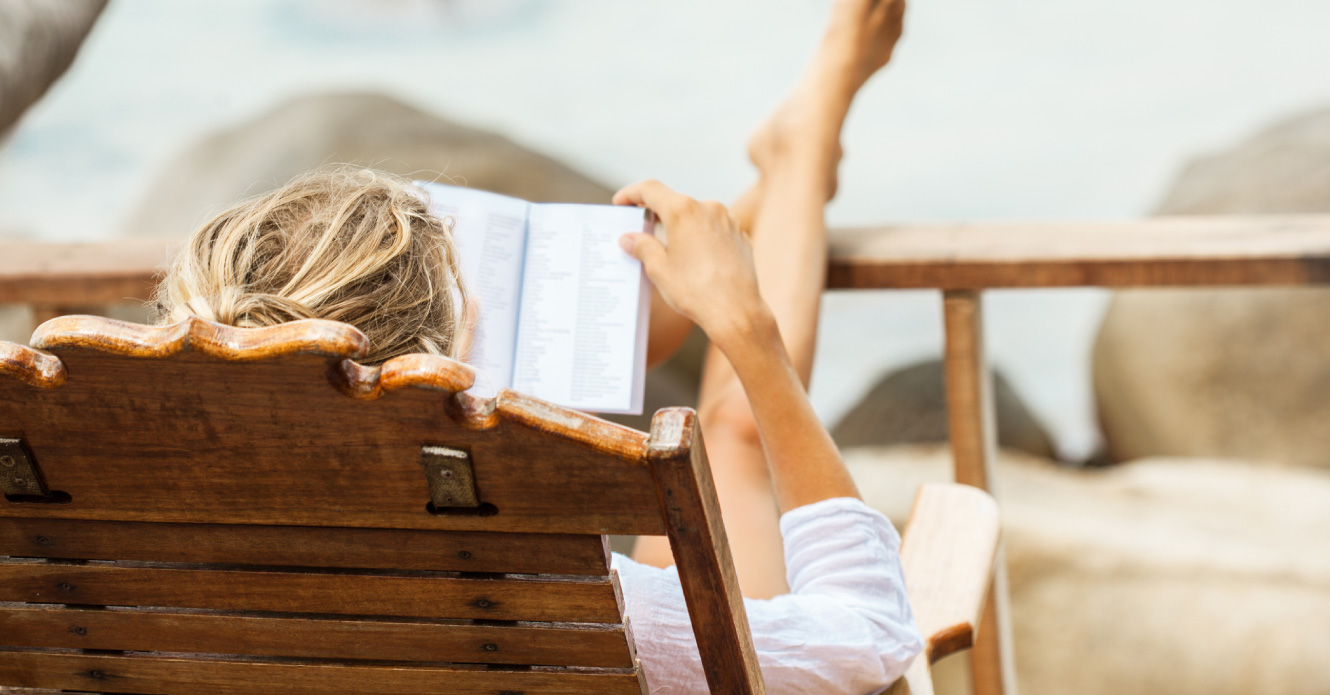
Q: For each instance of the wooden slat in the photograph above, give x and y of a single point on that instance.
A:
(587, 600)
(702, 554)
(80, 273)
(323, 638)
(1164, 251)
(297, 546)
(182, 676)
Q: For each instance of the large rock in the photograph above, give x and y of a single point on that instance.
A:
(909, 406)
(38, 42)
(1236, 373)
(368, 129)
(1160, 576)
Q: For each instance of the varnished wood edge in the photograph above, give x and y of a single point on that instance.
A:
(430, 372)
(602, 435)
(342, 344)
(949, 640)
(99, 334)
(32, 367)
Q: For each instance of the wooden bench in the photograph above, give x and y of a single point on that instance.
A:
(200, 509)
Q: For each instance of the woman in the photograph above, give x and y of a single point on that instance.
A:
(820, 570)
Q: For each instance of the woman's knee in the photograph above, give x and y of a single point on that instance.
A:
(729, 416)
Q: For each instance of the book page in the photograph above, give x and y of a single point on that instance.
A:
(581, 334)
(490, 233)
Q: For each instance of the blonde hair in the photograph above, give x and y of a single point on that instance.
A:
(342, 243)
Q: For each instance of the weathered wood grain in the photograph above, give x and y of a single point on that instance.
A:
(201, 423)
(536, 599)
(288, 546)
(701, 550)
(183, 676)
(325, 638)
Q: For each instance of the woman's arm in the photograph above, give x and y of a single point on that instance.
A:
(704, 270)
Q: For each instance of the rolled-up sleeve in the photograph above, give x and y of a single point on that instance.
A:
(845, 627)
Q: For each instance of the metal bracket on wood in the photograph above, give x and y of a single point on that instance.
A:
(452, 481)
(18, 475)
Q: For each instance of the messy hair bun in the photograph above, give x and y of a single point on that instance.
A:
(341, 243)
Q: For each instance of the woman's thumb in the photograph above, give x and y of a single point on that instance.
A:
(643, 247)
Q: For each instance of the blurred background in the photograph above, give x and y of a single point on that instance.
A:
(1020, 110)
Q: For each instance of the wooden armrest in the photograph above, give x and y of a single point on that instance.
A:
(948, 550)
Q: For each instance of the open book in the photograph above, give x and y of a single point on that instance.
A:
(562, 309)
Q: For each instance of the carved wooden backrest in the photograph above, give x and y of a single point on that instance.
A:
(203, 509)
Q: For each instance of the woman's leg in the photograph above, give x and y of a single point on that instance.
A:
(797, 152)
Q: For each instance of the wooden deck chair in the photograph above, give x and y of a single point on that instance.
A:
(197, 509)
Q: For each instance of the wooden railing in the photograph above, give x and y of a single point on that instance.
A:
(961, 260)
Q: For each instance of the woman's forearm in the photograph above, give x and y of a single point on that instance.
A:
(706, 273)
(805, 465)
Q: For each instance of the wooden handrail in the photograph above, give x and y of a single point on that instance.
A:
(1163, 251)
(80, 274)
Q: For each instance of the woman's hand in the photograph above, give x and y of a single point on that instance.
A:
(704, 268)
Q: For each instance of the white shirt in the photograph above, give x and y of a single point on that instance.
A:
(844, 628)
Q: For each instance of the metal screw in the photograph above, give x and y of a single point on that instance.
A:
(465, 554)
(491, 647)
(445, 473)
(7, 461)
(482, 603)
(97, 675)
(79, 630)
(43, 540)
(66, 586)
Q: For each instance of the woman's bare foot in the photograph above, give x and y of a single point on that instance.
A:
(859, 41)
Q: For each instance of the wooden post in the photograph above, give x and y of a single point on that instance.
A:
(974, 448)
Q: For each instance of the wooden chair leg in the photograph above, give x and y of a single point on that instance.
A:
(974, 448)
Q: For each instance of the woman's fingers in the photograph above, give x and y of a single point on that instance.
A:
(644, 248)
(655, 195)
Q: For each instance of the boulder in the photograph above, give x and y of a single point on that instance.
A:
(1237, 372)
(368, 129)
(909, 406)
(1158, 576)
(39, 40)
